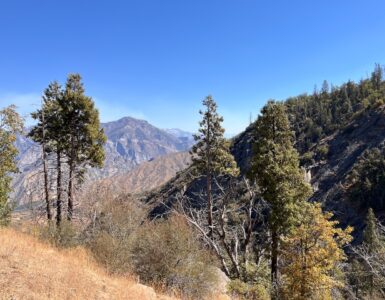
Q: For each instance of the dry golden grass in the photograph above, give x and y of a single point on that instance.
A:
(30, 269)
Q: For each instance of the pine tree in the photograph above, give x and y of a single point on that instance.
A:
(371, 234)
(376, 77)
(10, 125)
(311, 255)
(85, 137)
(345, 109)
(211, 155)
(49, 133)
(275, 167)
(68, 124)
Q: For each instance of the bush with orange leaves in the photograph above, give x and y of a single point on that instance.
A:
(312, 254)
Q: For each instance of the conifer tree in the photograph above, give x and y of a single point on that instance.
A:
(10, 125)
(49, 133)
(311, 254)
(69, 126)
(211, 155)
(371, 234)
(377, 76)
(275, 167)
(84, 135)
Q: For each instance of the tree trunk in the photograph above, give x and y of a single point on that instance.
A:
(70, 181)
(45, 171)
(58, 189)
(274, 257)
(46, 190)
(70, 192)
(209, 206)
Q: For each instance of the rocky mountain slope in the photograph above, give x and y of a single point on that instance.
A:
(130, 142)
(147, 175)
(345, 147)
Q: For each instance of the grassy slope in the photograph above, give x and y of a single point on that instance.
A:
(30, 269)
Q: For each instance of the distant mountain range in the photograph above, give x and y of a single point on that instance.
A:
(185, 136)
(130, 142)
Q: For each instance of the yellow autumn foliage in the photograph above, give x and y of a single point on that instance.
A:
(311, 254)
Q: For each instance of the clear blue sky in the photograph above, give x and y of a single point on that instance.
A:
(157, 59)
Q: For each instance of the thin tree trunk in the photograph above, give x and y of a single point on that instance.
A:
(45, 171)
(70, 182)
(70, 199)
(209, 206)
(274, 257)
(58, 189)
(46, 190)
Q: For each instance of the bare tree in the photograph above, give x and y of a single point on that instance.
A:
(238, 213)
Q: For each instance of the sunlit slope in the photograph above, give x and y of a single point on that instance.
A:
(30, 269)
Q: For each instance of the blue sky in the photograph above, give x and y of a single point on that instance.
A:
(157, 59)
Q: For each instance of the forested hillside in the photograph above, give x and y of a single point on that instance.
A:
(333, 128)
(331, 108)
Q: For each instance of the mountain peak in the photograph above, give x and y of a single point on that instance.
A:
(124, 121)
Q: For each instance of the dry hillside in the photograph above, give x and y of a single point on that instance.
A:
(148, 175)
(30, 269)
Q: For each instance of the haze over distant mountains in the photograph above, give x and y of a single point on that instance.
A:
(130, 142)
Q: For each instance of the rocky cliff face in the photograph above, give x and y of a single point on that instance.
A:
(130, 142)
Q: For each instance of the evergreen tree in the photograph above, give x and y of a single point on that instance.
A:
(68, 124)
(275, 167)
(84, 135)
(211, 155)
(371, 234)
(49, 133)
(377, 76)
(366, 180)
(10, 125)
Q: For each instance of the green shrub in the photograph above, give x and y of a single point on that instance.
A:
(64, 236)
(323, 151)
(307, 159)
(250, 291)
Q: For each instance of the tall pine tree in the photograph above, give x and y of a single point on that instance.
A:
(84, 135)
(371, 233)
(211, 155)
(49, 133)
(275, 167)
